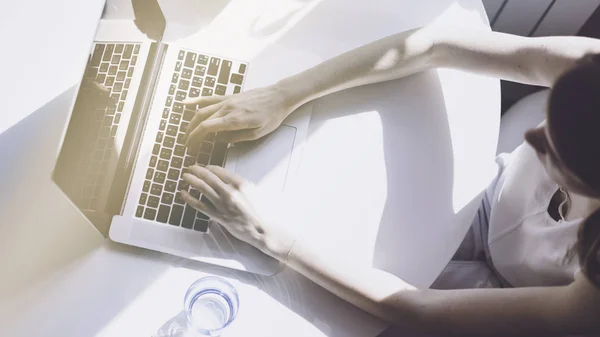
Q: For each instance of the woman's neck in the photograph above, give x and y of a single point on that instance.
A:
(581, 206)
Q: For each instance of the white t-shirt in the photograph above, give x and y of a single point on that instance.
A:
(527, 246)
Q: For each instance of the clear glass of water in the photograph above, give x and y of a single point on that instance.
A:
(210, 305)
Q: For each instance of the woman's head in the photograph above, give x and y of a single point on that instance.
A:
(568, 145)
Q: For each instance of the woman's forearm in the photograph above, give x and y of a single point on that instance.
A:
(370, 289)
(389, 58)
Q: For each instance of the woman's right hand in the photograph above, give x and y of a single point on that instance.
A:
(242, 117)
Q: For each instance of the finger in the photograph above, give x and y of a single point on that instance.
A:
(204, 101)
(218, 185)
(199, 205)
(201, 186)
(200, 116)
(213, 125)
(240, 136)
(226, 175)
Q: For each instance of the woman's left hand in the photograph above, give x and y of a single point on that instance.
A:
(233, 204)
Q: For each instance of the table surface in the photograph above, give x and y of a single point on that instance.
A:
(426, 143)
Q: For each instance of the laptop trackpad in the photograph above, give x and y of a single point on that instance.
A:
(266, 161)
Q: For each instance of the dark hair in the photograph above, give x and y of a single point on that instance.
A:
(574, 120)
(588, 247)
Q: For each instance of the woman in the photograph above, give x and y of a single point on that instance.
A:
(547, 189)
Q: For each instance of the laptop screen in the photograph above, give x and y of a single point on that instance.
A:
(91, 162)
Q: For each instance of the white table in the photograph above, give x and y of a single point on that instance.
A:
(431, 139)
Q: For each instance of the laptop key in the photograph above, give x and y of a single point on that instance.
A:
(156, 189)
(242, 69)
(163, 125)
(213, 66)
(165, 113)
(197, 82)
(178, 66)
(207, 92)
(159, 137)
(149, 173)
(124, 95)
(203, 159)
(116, 59)
(163, 165)
(136, 49)
(181, 136)
(97, 55)
(220, 90)
(153, 201)
(175, 78)
(179, 150)
(170, 186)
(190, 60)
(149, 214)
(200, 71)
(175, 118)
(156, 149)
(118, 116)
(176, 162)
(146, 186)
(201, 225)
(173, 174)
(210, 81)
(237, 79)
(188, 115)
(202, 59)
(189, 216)
(176, 214)
(181, 55)
(139, 212)
(182, 186)
(127, 83)
(153, 161)
(237, 89)
(159, 177)
(133, 60)
(183, 128)
(167, 198)
(184, 85)
(121, 76)
(180, 96)
(178, 107)
(172, 89)
(163, 214)
(108, 52)
(194, 92)
(189, 161)
(118, 87)
(124, 65)
(130, 72)
(171, 130)
(218, 154)
(143, 198)
(169, 101)
(169, 142)
(128, 51)
(119, 48)
(110, 80)
(224, 72)
(166, 154)
(186, 73)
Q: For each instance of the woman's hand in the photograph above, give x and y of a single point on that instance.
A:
(236, 204)
(242, 117)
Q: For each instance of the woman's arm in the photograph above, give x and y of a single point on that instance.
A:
(572, 309)
(545, 311)
(253, 114)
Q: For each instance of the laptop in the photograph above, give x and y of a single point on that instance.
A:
(123, 152)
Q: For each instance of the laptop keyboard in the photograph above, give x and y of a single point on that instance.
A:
(111, 65)
(194, 75)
